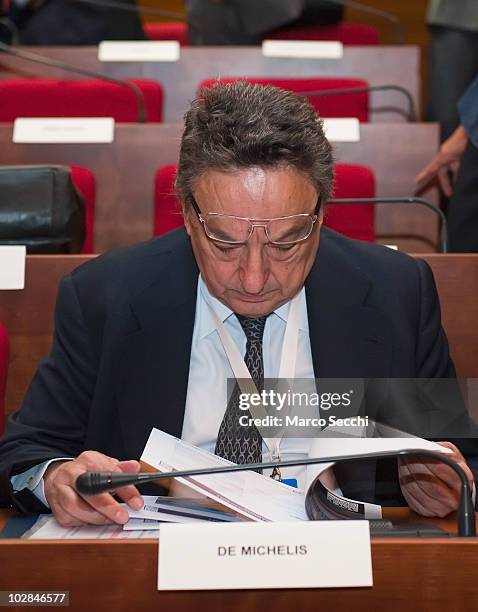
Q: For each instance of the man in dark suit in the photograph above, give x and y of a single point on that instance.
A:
(138, 331)
(70, 22)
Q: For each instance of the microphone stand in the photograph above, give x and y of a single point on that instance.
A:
(411, 115)
(40, 59)
(404, 200)
(92, 483)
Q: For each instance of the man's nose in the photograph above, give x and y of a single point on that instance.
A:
(253, 267)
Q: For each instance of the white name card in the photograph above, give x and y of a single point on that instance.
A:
(12, 267)
(305, 49)
(264, 555)
(139, 51)
(64, 130)
(342, 129)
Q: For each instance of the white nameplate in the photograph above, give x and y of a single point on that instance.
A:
(64, 130)
(345, 129)
(305, 49)
(139, 51)
(394, 247)
(12, 267)
(299, 555)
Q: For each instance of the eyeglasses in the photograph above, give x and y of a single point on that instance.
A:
(237, 230)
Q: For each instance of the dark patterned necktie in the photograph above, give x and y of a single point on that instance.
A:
(236, 443)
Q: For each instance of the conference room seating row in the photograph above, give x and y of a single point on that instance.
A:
(96, 98)
(396, 65)
(346, 33)
(352, 181)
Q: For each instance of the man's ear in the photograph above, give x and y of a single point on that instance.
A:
(187, 218)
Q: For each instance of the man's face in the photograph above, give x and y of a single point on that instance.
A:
(255, 278)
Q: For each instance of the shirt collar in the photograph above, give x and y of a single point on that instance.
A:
(206, 323)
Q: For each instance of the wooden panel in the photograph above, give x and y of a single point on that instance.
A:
(377, 65)
(409, 574)
(28, 314)
(456, 277)
(125, 172)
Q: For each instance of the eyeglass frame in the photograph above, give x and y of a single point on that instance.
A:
(314, 216)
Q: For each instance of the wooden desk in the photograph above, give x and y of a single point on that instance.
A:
(125, 170)
(28, 314)
(409, 574)
(395, 65)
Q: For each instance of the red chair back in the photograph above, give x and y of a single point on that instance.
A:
(355, 220)
(346, 33)
(167, 209)
(4, 359)
(82, 98)
(341, 105)
(172, 30)
(84, 181)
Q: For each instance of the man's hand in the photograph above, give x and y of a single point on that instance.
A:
(71, 509)
(432, 488)
(446, 161)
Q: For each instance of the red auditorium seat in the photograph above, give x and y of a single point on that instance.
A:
(84, 181)
(173, 30)
(4, 358)
(346, 33)
(353, 220)
(82, 98)
(341, 105)
(167, 209)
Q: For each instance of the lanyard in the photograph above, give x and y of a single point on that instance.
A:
(242, 374)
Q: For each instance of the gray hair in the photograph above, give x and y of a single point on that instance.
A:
(241, 125)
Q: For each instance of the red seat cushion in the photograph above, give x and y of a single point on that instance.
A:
(172, 30)
(346, 33)
(84, 181)
(353, 220)
(4, 359)
(167, 209)
(341, 105)
(82, 98)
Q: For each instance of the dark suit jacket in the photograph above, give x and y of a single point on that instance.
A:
(124, 322)
(66, 22)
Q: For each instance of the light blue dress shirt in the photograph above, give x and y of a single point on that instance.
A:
(209, 369)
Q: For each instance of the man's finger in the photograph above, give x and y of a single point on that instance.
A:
(73, 505)
(130, 493)
(445, 183)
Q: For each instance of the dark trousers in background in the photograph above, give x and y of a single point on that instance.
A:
(453, 63)
(463, 206)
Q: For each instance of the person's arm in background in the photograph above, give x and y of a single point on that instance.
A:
(447, 161)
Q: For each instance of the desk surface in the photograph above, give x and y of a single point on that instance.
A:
(409, 574)
(396, 65)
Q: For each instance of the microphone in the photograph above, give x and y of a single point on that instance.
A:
(93, 483)
(137, 8)
(364, 8)
(404, 200)
(411, 114)
(9, 25)
(46, 61)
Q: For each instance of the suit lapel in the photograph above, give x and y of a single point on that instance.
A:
(154, 367)
(348, 338)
